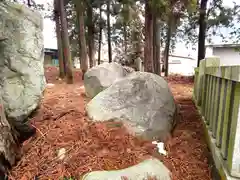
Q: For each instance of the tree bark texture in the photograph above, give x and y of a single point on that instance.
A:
(154, 43)
(90, 36)
(109, 32)
(148, 49)
(157, 60)
(167, 46)
(125, 37)
(82, 40)
(135, 37)
(59, 40)
(202, 31)
(29, 3)
(66, 43)
(100, 35)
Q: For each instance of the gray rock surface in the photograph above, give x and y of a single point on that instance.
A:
(128, 70)
(102, 76)
(22, 78)
(148, 168)
(143, 101)
(9, 149)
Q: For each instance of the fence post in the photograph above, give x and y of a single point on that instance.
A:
(196, 89)
(216, 107)
(220, 114)
(200, 83)
(226, 119)
(218, 95)
(234, 143)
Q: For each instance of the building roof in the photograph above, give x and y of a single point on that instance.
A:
(183, 57)
(50, 50)
(223, 45)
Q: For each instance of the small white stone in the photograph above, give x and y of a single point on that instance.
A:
(50, 85)
(61, 153)
(161, 149)
(160, 146)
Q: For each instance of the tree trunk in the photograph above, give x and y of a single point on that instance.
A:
(59, 40)
(163, 60)
(166, 53)
(148, 49)
(9, 146)
(202, 31)
(82, 39)
(66, 44)
(158, 39)
(90, 35)
(139, 65)
(125, 25)
(100, 35)
(125, 37)
(29, 3)
(136, 39)
(109, 32)
(154, 43)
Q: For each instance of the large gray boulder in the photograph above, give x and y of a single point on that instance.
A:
(143, 101)
(149, 168)
(9, 148)
(102, 76)
(22, 80)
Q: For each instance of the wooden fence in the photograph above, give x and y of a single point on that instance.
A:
(217, 96)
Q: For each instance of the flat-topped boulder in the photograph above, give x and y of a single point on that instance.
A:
(142, 101)
(102, 76)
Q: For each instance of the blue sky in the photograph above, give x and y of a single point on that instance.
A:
(181, 49)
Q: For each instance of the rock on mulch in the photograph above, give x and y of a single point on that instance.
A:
(62, 124)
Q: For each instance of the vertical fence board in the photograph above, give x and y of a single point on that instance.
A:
(230, 117)
(210, 102)
(207, 99)
(204, 92)
(234, 142)
(212, 120)
(205, 95)
(216, 107)
(196, 88)
(226, 118)
(220, 114)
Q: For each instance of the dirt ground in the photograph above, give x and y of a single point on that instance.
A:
(62, 125)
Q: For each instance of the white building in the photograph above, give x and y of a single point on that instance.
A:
(229, 54)
(183, 65)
